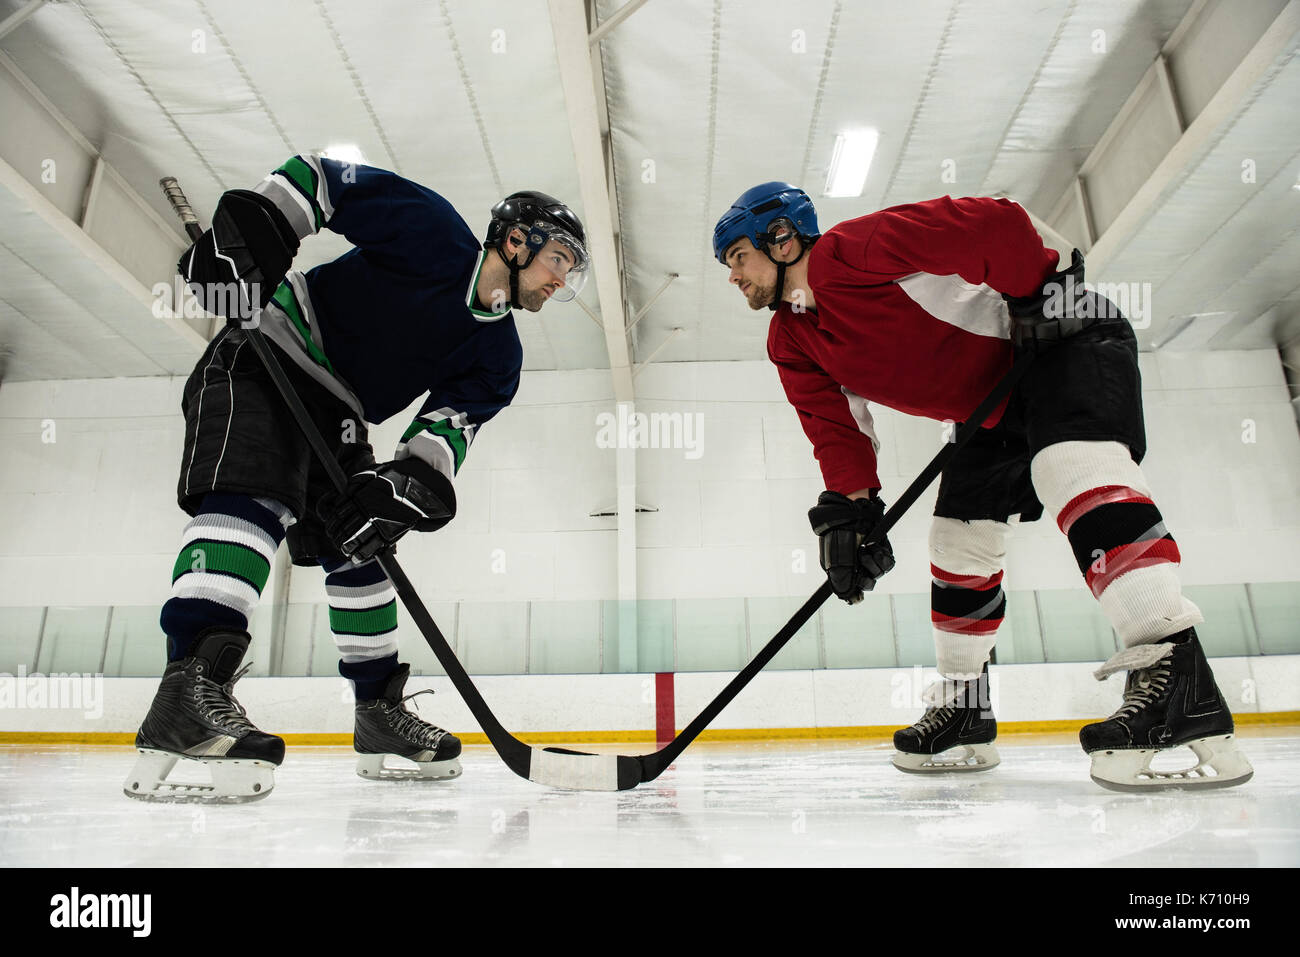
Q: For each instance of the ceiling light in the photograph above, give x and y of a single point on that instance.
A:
(850, 162)
(344, 153)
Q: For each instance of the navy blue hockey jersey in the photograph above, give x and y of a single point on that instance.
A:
(395, 317)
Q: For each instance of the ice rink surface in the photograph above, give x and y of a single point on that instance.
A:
(797, 803)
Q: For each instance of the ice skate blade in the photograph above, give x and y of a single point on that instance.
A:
(1219, 765)
(961, 759)
(234, 780)
(372, 768)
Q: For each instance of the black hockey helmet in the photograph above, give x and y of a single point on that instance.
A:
(542, 218)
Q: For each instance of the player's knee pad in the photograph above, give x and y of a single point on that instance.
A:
(1063, 471)
(961, 550)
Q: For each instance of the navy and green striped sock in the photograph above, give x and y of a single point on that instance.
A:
(363, 617)
(224, 561)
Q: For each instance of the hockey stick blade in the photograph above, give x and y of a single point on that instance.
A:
(583, 771)
(555, 767)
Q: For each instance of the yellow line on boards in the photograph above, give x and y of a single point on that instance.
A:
(1265, 719)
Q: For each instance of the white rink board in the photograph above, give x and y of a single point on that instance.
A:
(775, 700)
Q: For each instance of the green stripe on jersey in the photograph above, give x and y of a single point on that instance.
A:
(223, 558)
(455, 437)
(304, 177)
(370, 621)
(284, 298)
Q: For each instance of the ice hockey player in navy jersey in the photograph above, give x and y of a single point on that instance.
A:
(923, 308)
(418, 306)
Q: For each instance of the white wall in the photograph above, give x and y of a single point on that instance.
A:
(731, 521)
(827, 699)
(90, 517)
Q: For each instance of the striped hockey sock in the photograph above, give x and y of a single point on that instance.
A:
(363, 617)
(1128, 558)
(224, 561)
(967, 603)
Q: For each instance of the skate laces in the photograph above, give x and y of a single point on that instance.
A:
(217, 701)
(412, 726)
(1142, 689)
(933, 717)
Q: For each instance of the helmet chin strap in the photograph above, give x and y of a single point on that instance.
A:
(781, 267)
(515, 270)
(775, 304)
(805, 245)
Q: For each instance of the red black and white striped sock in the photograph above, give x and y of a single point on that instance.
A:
(967, 603)
(1101, 501)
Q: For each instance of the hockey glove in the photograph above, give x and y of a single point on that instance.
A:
(383, 503)
(235, 267)
(852, 560)
(1057, 311)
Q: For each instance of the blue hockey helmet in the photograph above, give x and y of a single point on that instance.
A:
(753, 213)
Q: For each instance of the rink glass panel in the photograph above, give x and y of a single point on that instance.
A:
(647, 635)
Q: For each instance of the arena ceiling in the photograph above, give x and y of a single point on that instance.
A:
(1157, 135)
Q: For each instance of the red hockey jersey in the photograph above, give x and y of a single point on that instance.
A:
(908, 314)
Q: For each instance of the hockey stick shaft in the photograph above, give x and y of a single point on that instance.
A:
(510, 749)
(561, 769)
(652, 765)
(386, 559)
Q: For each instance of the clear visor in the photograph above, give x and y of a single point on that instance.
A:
(564, 257)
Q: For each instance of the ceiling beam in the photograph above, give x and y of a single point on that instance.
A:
(618, 17)
(90, 206)
(584, 100)
(11, 23)
(1189, 140)
(97, 255)
(577, 76)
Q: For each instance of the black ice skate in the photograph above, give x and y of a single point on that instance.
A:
(384, 726)
(195, 717)
(1170, 701)
(955, 734)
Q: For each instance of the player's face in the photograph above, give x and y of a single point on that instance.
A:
(752, 273)
(544, 276)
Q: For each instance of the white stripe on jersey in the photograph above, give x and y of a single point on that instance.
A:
(434, 450)
(951, 299)
(294, 196)
(862, 416)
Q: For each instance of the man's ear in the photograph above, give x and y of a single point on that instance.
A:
(514, 241)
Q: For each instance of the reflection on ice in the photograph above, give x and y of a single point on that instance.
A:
(778, 803)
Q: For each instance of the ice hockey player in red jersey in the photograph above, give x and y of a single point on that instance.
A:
(923, 308)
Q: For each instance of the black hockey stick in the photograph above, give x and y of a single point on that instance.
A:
(652, 765)
(553, 766)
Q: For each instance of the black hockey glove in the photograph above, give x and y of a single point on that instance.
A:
(236, 265)
(1055, 312)
(383, 503)
(852, 561)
